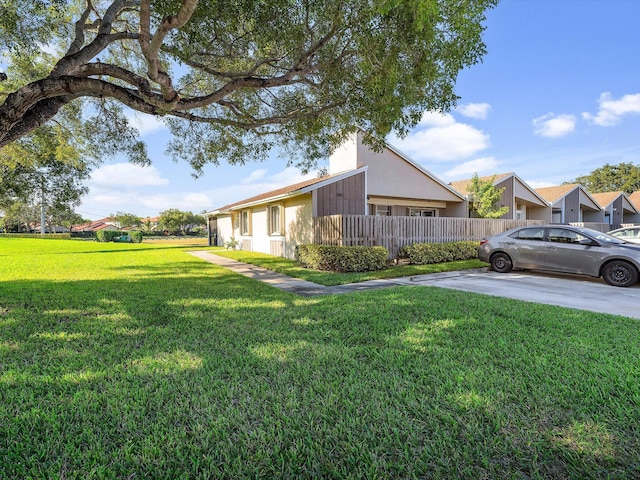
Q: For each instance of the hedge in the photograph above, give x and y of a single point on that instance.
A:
(111, 235)
(426, 253)
(341, 259)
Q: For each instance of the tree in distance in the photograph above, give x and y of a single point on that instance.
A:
(612, 178)
(233, 79)
(178, 222)
(125, 220)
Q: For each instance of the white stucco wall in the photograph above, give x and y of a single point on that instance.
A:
(298, 223)
(345, 157)
(388, 175)
(225, 229)
(259, 237)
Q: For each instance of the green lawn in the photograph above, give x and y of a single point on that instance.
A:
(293, 269)
(140, 361)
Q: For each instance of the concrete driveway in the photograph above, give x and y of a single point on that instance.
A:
(571, 291)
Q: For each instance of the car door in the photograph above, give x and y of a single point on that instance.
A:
(569, 251)
(526, 247)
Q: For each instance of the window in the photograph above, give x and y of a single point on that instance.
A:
(274, 215)
(382, 210)
(561, 235)
(245, 222)
(421, 212)
(529, 234)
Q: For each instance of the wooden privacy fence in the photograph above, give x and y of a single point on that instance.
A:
(396, 232)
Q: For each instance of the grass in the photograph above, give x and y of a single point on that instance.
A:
(293, 269)
(140, 361)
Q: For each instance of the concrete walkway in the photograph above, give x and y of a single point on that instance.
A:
(310, 289)
(573, 291)
(296, 285)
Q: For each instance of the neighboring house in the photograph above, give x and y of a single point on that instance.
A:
(360, 182)
(102, 224)
(523, 201)
(634, 198)
(618, 208)
(571, 203)
(152, 222)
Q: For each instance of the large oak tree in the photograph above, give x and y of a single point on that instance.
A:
(232, 79)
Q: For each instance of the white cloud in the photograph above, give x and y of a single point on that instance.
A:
(121, 175)
(474, 110)
(554, 126)
(289, 176)
(479, 165)
(540, 184)
(436, 119)
(444, 140)
(194, 202)
(254, 176)
(611, 111)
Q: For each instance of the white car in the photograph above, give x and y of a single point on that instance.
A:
(628, 234)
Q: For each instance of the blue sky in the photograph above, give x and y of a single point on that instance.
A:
(557, 96)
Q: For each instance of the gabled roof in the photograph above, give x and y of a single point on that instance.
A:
(463, 186)
(555, 193)
(634, 198)
(424, 171)
(93, 226)
(606, 198)
(288, 191)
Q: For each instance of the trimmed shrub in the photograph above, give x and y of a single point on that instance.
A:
(427, 253)
(107, 235)
(342, 259)
(135, 236)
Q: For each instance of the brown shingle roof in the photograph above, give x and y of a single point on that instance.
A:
(605, 198)
(551, 194)
(289, 189)
(463, 185)
(635, 199)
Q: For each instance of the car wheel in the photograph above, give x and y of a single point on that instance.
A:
(501, 263)
(620, 274)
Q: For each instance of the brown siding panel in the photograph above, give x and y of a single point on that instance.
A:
(342, 197)
(572, 207)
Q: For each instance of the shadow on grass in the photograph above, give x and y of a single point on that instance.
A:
(186, 369)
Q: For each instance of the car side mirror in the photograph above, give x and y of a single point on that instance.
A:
(588, 242)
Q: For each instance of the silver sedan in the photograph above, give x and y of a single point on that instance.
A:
(628, 234)
(565, 249)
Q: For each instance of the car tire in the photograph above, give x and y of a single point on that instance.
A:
(620, 273)
(501, 263)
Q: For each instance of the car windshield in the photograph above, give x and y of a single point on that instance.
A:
(601, 237)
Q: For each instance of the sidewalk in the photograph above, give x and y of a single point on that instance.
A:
(310, 289)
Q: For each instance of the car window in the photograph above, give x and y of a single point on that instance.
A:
(529, 234)
(628, 233)
(562, 235)
(604, 238)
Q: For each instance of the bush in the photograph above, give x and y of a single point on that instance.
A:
(135, 236)
(427, 253)
(107, 235)
(342, 259)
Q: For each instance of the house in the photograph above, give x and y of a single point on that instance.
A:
(102, 224)
(523, 201)
(618, 208)
(571, 203)
(634, 198)
(360, 182)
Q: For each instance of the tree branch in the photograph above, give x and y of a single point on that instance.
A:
(150, 46)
